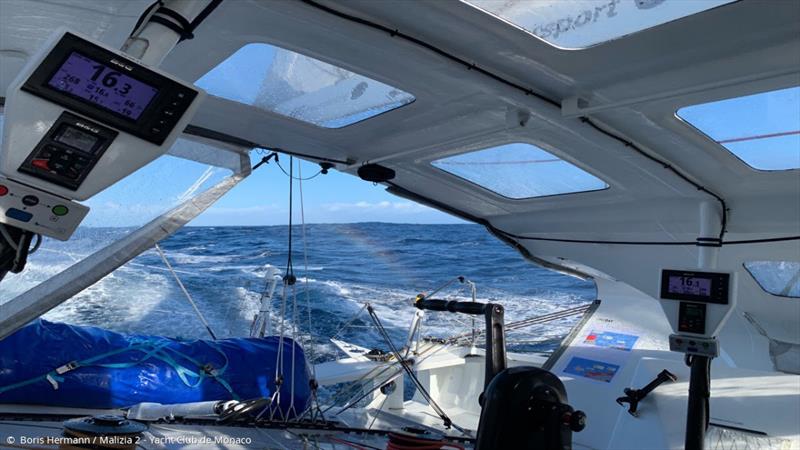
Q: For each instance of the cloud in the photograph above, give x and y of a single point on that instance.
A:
(384, 206)
(244, 210)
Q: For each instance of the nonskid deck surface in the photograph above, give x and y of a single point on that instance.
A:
(361, 430)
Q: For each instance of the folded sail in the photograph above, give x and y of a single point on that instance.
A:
(57, 364)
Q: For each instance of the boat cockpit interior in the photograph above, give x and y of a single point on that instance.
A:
(649, 146)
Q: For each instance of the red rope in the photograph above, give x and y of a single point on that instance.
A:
(404, 442)
(347, 443)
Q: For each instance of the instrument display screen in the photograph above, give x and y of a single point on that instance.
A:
(689, 285)
(706, 287)
(76, 138)
(111, 89)
(103, 85)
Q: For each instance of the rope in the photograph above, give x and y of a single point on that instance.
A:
(299, 177)
(151, 349)
(305, 266)
(535, 320)
(314, 406)
(439, 411)
(294, 353)
(186, 292)
(424, 354)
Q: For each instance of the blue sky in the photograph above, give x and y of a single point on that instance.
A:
(260, 199)
(333, 198)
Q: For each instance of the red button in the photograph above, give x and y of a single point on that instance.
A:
(40, 163)
(3, 190)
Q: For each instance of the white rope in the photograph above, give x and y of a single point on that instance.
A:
(294, 352)
(314, 406)
(276, 396)
(185, 292)
(310, 351)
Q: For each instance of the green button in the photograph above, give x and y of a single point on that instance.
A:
(60, 210)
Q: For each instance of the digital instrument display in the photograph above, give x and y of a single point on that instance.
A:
(68, 151)
(689, 285)
(77, 139)
(692, 317)
(103, 85)
(706, 287)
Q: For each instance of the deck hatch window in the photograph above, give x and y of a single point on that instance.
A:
(301, 87)
(519, 171)
(575, 24)
(763, 130)
(781, 278)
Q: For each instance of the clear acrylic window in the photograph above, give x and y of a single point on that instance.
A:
(300, 87)
(780, 278)
(763, 130)
(519, 171)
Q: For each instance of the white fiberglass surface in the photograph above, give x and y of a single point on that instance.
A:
(300, 87)
(780, 278)
(520, 171)
(116, 211)
(575, 24)
(763, 130)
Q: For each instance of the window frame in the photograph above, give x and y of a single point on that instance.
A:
(300, 120)
(760, 285)
(597, 44)
(517, 199)
(725, 150)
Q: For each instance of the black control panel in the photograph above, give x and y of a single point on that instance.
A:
(692, 317)
(68, 151)
(108, 88)
(706, 287)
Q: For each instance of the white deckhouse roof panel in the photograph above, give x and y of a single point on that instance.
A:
(575, 24)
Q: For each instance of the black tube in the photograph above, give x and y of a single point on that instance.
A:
(495, 344)
(698, 410)
(430, 304)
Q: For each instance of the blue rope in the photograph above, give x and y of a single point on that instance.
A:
(150, 349)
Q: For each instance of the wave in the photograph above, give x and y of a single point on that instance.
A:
(142, 297)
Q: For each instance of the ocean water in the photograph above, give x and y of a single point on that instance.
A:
(347, 265)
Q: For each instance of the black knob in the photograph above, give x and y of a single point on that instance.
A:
(577, 421)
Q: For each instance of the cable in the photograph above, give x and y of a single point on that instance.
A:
(762, 241)
(359, 446)
(405, 193)
(36, 246)
(185, 292)
(160, 14)
(296, 178)
(398, 34)
(9, 240)
(144, 18)
(471, 66)
(669, 167)
(696, 243)
(289, 277)
(219, 136)
(420, 388)
(204, 14)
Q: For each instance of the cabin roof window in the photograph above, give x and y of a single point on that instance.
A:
(763, 130)
(519, 171)
(780, 278)
(301, 87)
(575, 24)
